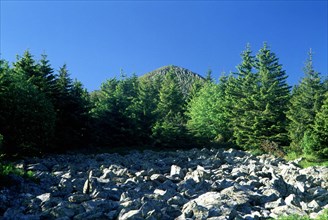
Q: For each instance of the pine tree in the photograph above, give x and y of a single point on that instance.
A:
(113, 114)
(316, 141)
(305, 102)
(144, 108)
(46, 81)
(27, 66)
(206, 111)
(27, 117)
(241, 90)
(39, 74)
(170, 125)
(71, 103)
(271, 101)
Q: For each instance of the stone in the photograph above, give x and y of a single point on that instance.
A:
(132, 214)
(176, 171)
(177, 200)
(198, 175)
(141, 173)
(313, 206)
(274, 204)
(286, 210)
(78, 198)
(292, 199)
(196, 184)
(86, 187)
(100, 204)
(158, 177)
(44, 197)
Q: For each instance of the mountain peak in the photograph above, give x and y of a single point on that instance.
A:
(185, 77)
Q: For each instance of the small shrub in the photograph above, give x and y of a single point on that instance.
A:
(7, 170)
(272, 147)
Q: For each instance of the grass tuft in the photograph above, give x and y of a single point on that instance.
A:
(323, 216)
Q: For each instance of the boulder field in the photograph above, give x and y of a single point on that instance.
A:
(183, 184)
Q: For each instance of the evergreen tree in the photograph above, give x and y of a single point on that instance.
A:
(305, 102)
(271, 103)
(39, 74)
(170, 126)
(27, 117)
(27, 66)
(242, 88)
(46, 81)
(113, 114)
(144, 108)
(72, 106)
(316, 141)
(206, 111)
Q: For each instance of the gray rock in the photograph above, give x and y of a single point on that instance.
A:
(176, 171)
(286, 210)
(132, 214)
(158, 177)
(292, 199)
(201, 184)
(44, 197)
(274, 204)
(78, 198)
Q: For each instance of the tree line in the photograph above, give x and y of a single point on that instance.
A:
(43, 110)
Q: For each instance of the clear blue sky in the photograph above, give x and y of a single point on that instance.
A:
(98, 38)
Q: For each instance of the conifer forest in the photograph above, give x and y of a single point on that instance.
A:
(43, 110)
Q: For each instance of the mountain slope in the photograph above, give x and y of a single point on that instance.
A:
(185, 77)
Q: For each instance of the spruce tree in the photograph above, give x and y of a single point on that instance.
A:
(206, 112)
(27, 117)
(242, 88)
(271, 101)
(170, 125)
(305, 102)
(27, 66)
(46, 81)
(144, 108)
(71, 103)
(316, 141)
(113, 114)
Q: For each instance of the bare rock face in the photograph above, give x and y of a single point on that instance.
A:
(191, 184)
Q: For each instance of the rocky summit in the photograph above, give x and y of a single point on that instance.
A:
(192, 184)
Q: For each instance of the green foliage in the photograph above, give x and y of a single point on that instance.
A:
(323, 216)
(113, 112)
(294, 217)
(169, 127)
(272, 148)
(316, 142)
(305, 102)
(27, 116)
(170, 107)
(240, 91)
(72, 104)
(143, 109)
(258, 98)
(306, 159)
(8, 169)
(206, 112)
(272, 99)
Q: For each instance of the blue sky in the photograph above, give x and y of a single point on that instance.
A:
(98, 38)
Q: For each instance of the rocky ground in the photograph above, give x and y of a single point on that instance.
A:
(194, 184)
